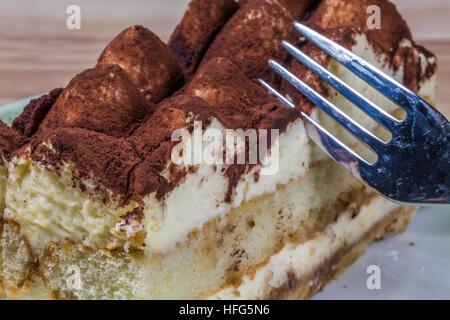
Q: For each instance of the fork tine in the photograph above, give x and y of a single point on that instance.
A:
(378, 114)
(326, 141)
(389, 87)
(348, 123)
(280, 97)
(342, 154)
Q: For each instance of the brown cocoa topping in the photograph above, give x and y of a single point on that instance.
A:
(146, 60)
(254, 35)
(29, 120)
(97, 156)
(103, 99)
(200, 23)
(9, 141)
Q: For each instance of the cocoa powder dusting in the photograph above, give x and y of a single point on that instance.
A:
(147, 61)
(29, 120)
(200, 23)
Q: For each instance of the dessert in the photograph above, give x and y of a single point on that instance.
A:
(97, 208)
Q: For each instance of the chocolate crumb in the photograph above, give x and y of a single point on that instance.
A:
(35, 111)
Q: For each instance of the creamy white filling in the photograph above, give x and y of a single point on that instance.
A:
(200, 198)
(48, 208)
(428, 89)
(304, 259)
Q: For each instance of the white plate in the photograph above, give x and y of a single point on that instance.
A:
(414, 265)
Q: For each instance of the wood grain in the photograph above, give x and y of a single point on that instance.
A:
(38, 52)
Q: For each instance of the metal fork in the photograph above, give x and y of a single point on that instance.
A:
(413, 168)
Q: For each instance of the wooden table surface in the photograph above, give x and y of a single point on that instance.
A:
(38, 52)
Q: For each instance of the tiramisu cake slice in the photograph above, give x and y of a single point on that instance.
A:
(98, 205)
